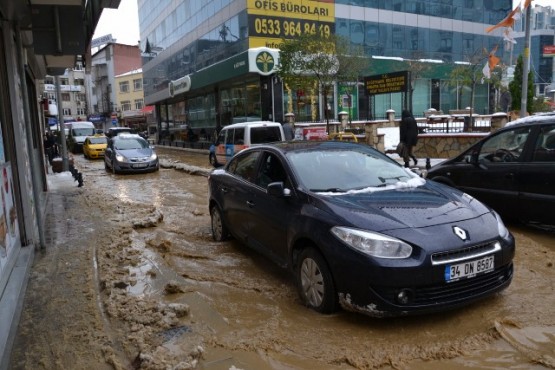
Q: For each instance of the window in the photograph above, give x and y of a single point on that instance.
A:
(49, 80)
(505, 147)
(138, 84)
(66, 97)
(139, 104)
(80, 97)
(125, 105)
(66, 111)
(124, 86)
(64, 81)
(244, 166)
(272, 171)
(545, 145)
(80, 111)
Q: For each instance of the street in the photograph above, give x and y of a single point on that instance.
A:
(131, 279)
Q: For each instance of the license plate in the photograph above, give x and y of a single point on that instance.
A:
(140, 165)
(468, 269)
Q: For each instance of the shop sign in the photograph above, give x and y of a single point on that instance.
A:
(179, 86)
(387, 83)
(549, 51)
(263, 60)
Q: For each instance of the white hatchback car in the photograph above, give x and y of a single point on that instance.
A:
(234, 138)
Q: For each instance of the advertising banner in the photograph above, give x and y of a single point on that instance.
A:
(272, 21)
(9, 229)
(348, 100)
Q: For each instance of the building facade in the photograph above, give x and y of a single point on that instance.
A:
(109, 61)
(74, 104)
(130, 100)
(30, 50)
(206, 50)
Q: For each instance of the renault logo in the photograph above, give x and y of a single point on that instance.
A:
(460, 233)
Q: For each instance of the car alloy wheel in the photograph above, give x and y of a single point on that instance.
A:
(219, 231)
(315, 282)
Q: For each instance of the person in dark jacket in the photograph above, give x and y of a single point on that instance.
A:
(408, 135)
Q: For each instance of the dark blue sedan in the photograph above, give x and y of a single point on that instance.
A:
(359, 231)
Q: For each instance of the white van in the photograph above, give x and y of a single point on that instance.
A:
(234, 138)
(77, 133)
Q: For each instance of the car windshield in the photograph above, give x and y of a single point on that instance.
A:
(345, 170)
(97, 140)
(83, 131)
(134, 143)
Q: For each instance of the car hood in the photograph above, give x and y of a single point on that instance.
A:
(427, 205)
(132, 153)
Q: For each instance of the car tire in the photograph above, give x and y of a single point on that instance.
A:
(212, 159)
(219, 230)
(315, 282)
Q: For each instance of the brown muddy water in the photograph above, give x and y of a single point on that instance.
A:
(132, 279)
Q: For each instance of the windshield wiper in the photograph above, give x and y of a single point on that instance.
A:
(329, 190)
(398, 178)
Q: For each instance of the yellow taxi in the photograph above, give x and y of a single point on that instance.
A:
(94, 146)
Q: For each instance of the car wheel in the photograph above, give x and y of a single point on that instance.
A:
(315, 282)
(219, 230)
(212, 159)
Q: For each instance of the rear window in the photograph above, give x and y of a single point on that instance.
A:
(265, 134)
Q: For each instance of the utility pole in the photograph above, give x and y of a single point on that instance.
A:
(61, 124)
(526, 63)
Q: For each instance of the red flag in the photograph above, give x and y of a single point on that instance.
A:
(509, 21)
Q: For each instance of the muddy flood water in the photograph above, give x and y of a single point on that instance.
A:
(131, 279)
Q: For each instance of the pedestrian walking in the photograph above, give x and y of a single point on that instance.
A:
(408, 137)
(288, 131)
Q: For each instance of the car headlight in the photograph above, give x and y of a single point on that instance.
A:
(120, 158)
(373, 244)
(153, 157)
(503, 231)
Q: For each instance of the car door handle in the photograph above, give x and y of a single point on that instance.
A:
(250, 203)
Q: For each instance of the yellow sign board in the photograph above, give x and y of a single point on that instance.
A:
(272, 21)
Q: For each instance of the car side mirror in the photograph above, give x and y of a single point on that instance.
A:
(277, 189)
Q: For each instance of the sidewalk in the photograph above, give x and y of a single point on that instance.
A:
(13, 297)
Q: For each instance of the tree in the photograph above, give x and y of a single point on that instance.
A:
(417, 68)
(316, 61)
(467, 75)
(515, 87)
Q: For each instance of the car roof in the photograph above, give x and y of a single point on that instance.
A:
(251, 123)
(120, 129)
(308, 145)
(539, 118)
(126, 136)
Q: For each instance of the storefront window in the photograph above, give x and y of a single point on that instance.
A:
(240, 102)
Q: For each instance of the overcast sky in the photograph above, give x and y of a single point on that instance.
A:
(123, 23)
